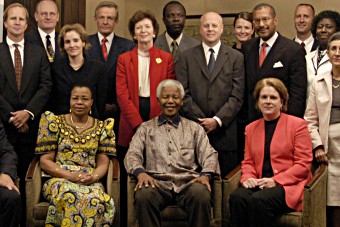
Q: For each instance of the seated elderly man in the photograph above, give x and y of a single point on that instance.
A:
(173, 161)
(10, 206)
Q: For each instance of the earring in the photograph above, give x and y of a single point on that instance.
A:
(153, 36)
(134, 37)
(70, 110)
(90, 112)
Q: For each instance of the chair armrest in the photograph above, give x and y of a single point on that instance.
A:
(230, 183)
(314, 201)
(217, 200)
(131, 184)
(112, 183)
(33, 187)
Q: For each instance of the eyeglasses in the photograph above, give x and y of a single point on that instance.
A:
(50, 14)
(265, 20)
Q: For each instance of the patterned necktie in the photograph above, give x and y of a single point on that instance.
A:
(104, 49)
(49, 48)
(17, 66)
(174, 48)
(211, 60)
(263, 53)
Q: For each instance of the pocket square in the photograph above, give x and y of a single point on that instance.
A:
(278, 65)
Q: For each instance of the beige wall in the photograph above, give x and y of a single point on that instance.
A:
(284, 10)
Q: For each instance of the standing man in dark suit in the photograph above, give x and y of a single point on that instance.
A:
(10, 207)
(25, 85)
(106, 46)
(303, 20)
(273, 55)
(47, 16)
(212, 75)
(173, 40)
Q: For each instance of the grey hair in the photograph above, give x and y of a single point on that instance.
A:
(334, 37)
(168, 83)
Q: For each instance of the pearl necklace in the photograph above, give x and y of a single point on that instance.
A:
(80, 127)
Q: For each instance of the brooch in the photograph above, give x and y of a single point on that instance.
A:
(158, 60)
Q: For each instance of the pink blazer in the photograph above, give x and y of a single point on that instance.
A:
(161, 68)
(290, 153)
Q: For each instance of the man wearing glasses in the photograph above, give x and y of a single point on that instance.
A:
(47, 17)
(273, 55)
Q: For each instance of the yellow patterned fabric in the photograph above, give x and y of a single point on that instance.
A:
(72, 204)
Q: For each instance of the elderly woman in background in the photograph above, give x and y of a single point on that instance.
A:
(277, 160)
(323, 117)
(325, 24)
(243, 29)
(74, 149)
(76, 68)
(139, 72)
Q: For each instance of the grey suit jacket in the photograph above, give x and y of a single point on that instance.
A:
(187, 42)
(219, 94)
(285, 61)
(8, 157)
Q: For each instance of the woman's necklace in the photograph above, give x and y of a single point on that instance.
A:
(335, 86)
(80, 127)
(76, 67)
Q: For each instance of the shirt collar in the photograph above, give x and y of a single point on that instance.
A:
(11, 42)
(216, 48)
(44, 34)
(169, 40)
(270, 42)
(109, 38)
(162, 119)
(309, 40)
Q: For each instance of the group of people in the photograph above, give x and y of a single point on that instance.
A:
(177, 108)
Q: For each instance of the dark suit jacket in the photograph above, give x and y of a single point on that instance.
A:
(290, 155)
(187, 42)
(8, 158)
(64, 78)
(119, 45)
(35, 89)
(161, 68)
(220, 94)
(315, 45)
(285, 61)
(35, 38)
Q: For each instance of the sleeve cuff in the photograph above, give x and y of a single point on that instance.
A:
(218, 120)
(207, 175)
(138, 171)
(32, 115)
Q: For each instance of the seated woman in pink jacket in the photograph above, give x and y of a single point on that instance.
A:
(277, 160)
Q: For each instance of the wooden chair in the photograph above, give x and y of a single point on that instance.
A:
(313, 213)
(36, 205)
(174, 215)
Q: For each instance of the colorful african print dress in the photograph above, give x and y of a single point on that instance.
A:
(73, 204)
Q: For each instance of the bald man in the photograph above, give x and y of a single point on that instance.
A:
(213, 78)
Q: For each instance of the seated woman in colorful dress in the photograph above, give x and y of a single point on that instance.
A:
(74, 150)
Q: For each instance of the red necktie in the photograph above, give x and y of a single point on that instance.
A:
(262, 53)
(104, 40)
(17, 66)
(303, 44)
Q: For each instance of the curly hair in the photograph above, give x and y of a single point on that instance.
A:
(329, 14)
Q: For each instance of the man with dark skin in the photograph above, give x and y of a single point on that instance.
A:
(173, 40)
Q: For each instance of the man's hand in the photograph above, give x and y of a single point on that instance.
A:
(203, 180)
(19, 118)
(7, 182)
(209, 124)
(321, 156)
(146, 180)
(24, 128)
(111, 108)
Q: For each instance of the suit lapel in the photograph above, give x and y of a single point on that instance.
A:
(222, 57)
(258, 145)
(112, 58)
(7, 65)
(201, 61)
(27, 67)
(275, 53)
